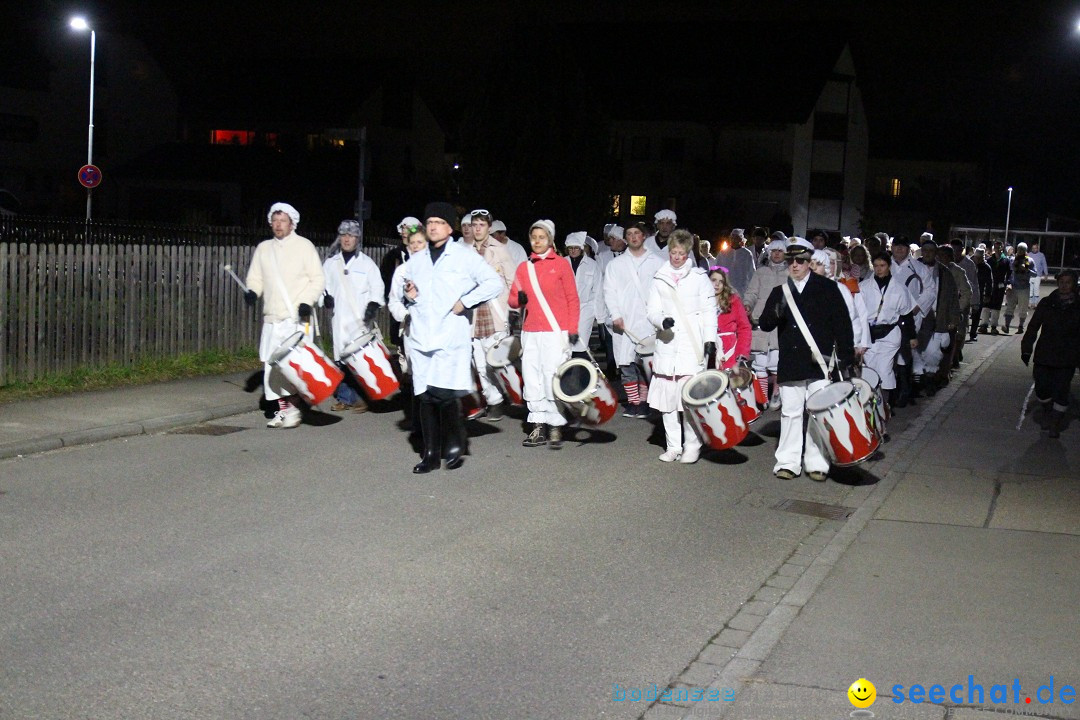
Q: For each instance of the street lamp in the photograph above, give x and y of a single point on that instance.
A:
(80, 24)
(1008, 211)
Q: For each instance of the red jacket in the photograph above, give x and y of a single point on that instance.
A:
(733, 328)
(560, 290)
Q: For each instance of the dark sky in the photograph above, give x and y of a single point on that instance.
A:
(995, 82)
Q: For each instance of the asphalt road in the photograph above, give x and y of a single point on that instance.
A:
(308, 573)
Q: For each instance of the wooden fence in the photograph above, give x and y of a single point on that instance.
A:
(81, 303)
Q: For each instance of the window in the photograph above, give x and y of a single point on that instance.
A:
(616, 205)
(231, 137)
(894, 187)
(638, 204)
(830, 126)
(639, 148)
(887, 186)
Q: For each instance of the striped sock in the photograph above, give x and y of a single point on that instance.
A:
(284, 405)
(631, 389)
(763, 385)
(643, 392)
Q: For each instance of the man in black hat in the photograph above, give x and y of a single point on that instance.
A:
(441, 286)
(799, 373)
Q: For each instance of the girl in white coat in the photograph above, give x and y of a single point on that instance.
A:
(682, 307)
(886, 301)
(589, 286)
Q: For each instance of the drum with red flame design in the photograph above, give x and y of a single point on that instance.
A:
(746, 389)
(868, 387)
(500, 357)
(369, 361)
(584, 392)
(841, 425)
(306, 368)
(714, 410)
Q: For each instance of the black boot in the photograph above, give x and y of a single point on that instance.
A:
(429, 428)
(903, 388)
(1057, 423)
(453, 430)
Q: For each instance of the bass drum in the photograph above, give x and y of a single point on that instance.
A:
(584, 392)
(714, 410)
(841, 425)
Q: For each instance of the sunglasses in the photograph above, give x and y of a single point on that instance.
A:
(480, 215)
(799, 260)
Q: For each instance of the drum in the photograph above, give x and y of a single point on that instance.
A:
(584, 391)
(369, 361)
(744, 385)
(713, 409)
(646, 348)
(841, 425)
(306, 368)
(501, 357)
(474, 405)
(868, 386)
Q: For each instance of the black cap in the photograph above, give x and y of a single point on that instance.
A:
(443, 211)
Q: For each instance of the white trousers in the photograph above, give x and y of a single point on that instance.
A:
(796, 445)
(488, 385)
(680, 436)
(541, 355)
(929, 360)
(273, 335)
(765, 363)
(880, 355)
(1036, 285)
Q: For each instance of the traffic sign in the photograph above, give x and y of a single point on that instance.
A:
(89, 176)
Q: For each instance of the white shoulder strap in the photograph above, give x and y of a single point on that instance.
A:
(543, 300)
(699, 350)
(814, 349)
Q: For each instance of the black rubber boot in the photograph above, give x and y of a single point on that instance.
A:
(453, 430)
(429, 428)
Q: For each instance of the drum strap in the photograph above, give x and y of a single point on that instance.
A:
(285, 292)
(348, 290)
(543, 300)
(814, 349)
(695, 335)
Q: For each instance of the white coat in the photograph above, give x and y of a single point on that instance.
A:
(678, 349)
(435, 331)
(352, 285)
(859, 327)
(654, 247)
(626, 287)
(887, 309)
(590, 288)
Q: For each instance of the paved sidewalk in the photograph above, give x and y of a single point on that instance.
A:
(963, 560)
(38, 425)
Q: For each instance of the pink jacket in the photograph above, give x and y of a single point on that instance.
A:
(560, 290)
(735, 332)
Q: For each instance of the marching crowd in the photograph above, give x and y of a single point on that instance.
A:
(808, 322)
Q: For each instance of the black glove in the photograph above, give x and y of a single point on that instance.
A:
(710, 349)
(847, 370)
(523, 298)
(305, 311)
(573, 338)
(1025, 358)
(668, 323)
(370, 310)
(250, 297)
(328, 302)
(781, 306)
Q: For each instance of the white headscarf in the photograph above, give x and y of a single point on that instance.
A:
(285, 208)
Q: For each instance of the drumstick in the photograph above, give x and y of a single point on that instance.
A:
(228, 269)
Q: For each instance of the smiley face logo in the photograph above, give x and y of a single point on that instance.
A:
(862, 693)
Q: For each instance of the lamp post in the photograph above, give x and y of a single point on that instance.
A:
(80, 24)
(1008, 211)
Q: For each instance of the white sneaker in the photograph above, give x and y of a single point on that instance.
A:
(690, 456)
(774, 402)
(285, 418)
(277, 421)
(670, 455)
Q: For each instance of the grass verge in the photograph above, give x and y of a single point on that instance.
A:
(141, 372)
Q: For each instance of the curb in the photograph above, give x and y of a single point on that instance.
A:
(729, 659)
(111, 432)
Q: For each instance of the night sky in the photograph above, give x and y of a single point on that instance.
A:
(993, 82)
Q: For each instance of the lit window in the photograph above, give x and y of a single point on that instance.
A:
(231, 137)
(638, 204)
(616, 205)
(894, 187)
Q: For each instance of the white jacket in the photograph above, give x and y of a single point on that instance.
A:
(590, 288)
(859, 327)
(293, 260)
(626, 292)
(680, 350)
(352, 286)
(885, 310)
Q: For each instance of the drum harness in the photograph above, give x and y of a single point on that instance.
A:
(681, 312)
(814, 349)
(285, 293)
(544, 305)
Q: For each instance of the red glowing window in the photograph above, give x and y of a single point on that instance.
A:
(231, 137)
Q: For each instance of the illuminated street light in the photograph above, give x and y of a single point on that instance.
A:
(1008, 211)
(80, 24)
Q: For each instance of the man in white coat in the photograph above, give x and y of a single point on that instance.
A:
(590, 287)
(285, 270)
(665, 225)
(626, 287)
(354, 291)
(441, 285)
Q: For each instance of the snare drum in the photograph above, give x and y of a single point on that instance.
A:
(841, 425)
(713, 409)
(645, 349)
(369, 361)
(868, 386)
(745, 386)
(500, 357)
(584, 391)
(306, 368)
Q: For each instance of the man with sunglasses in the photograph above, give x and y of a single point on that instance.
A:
(799, 374)
(490, 319)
